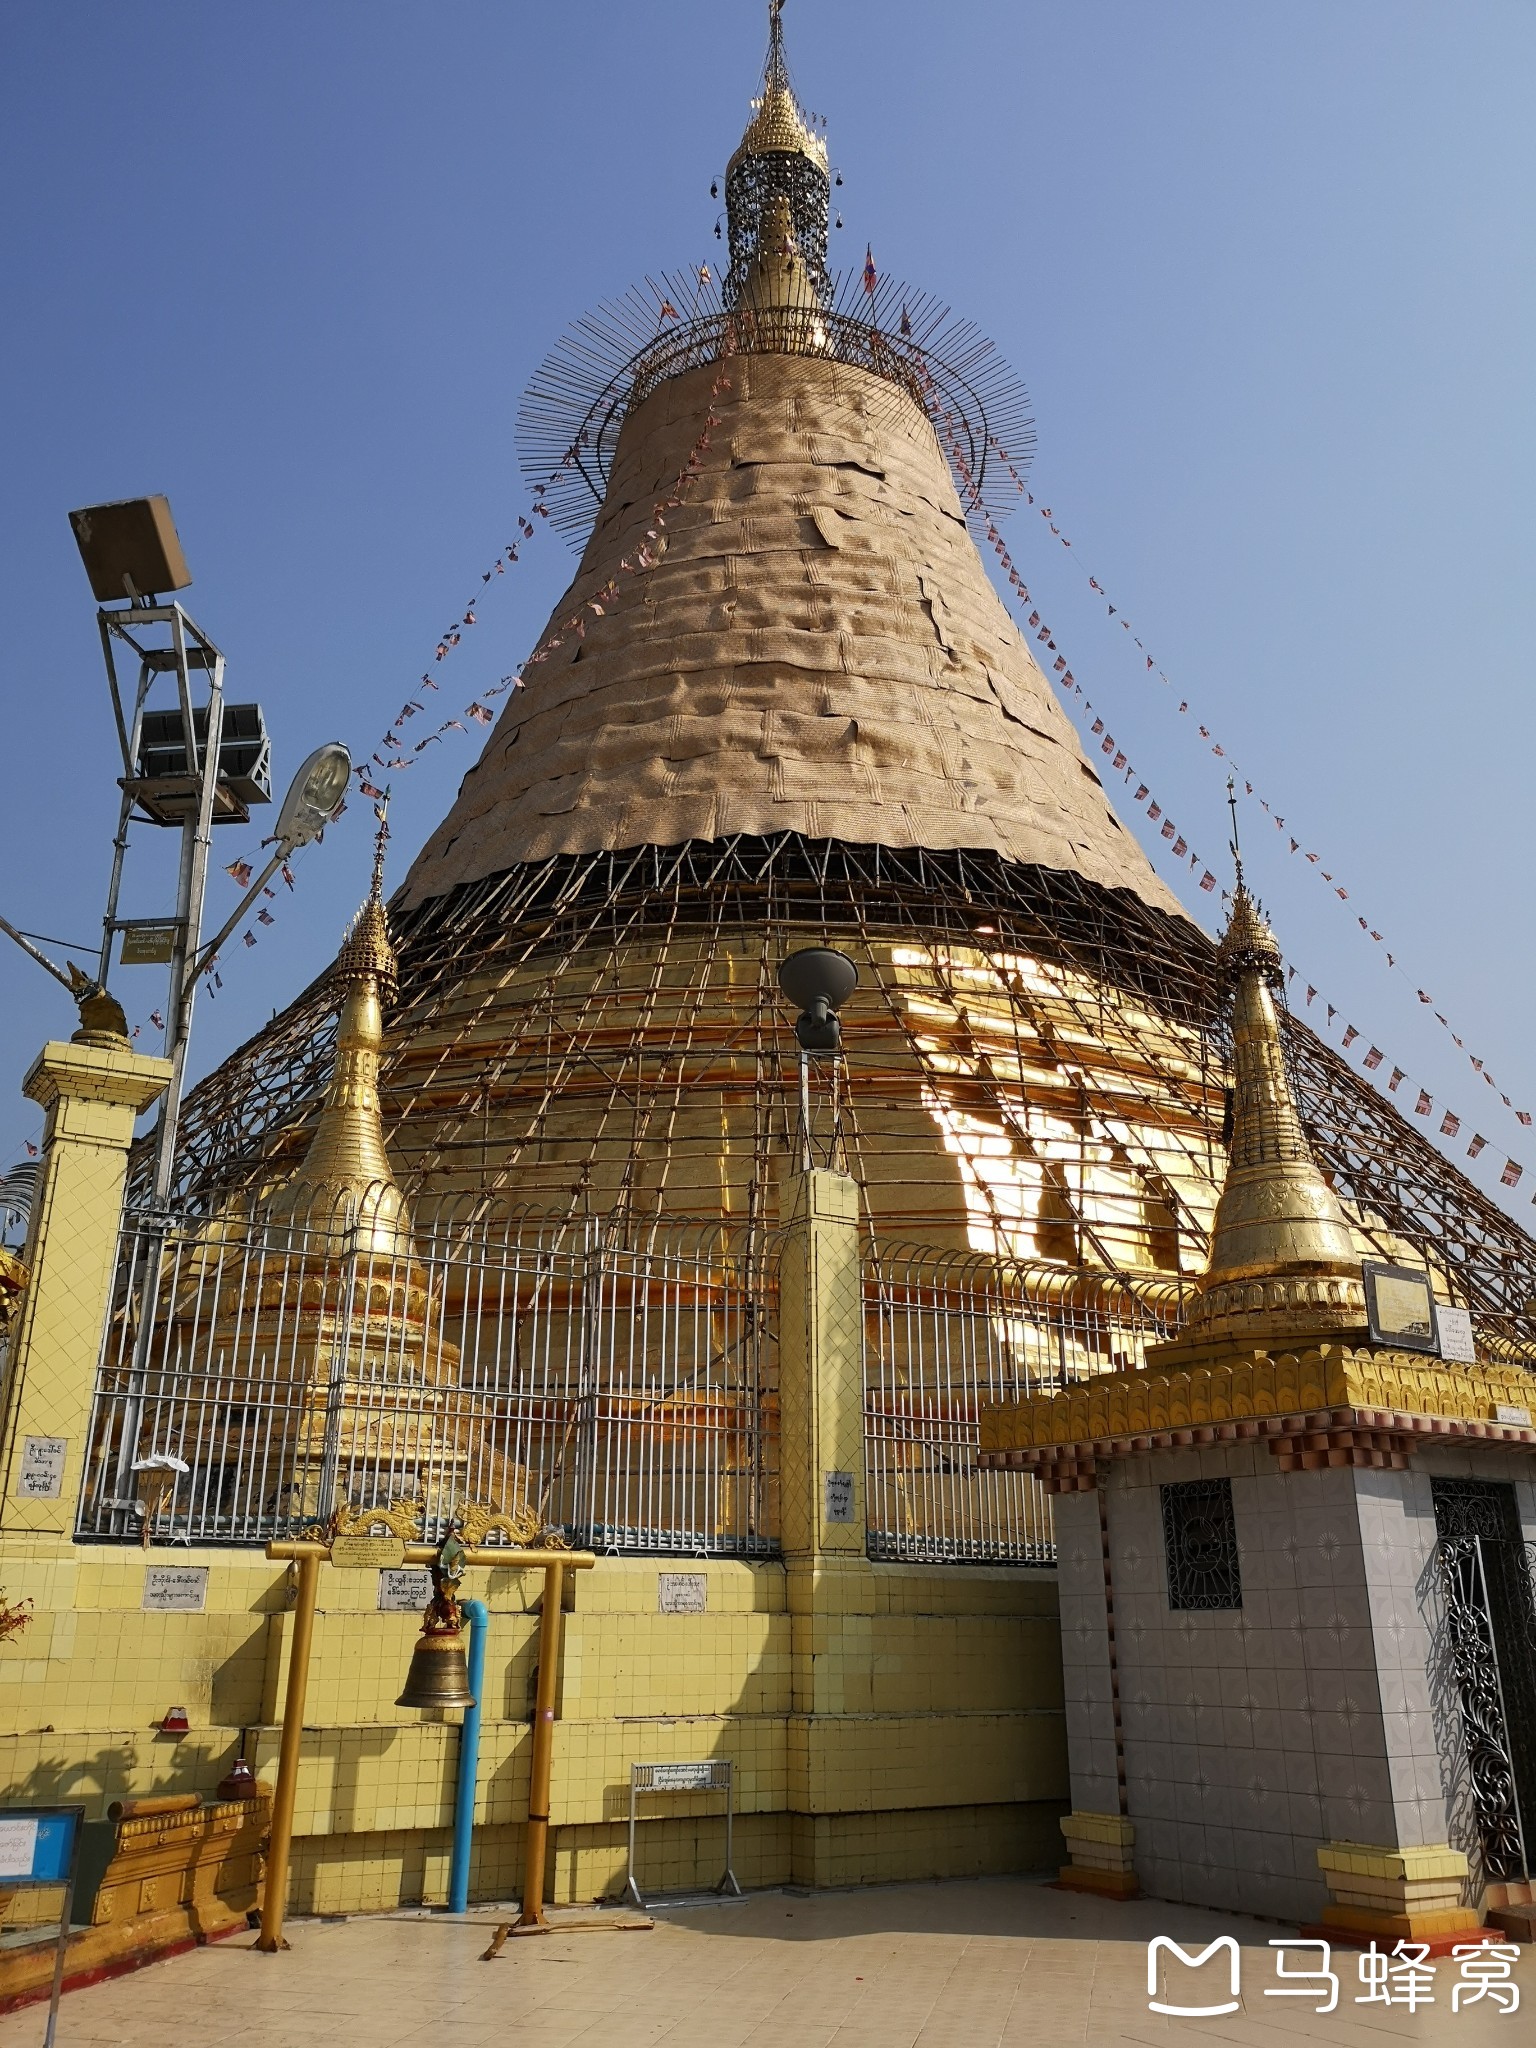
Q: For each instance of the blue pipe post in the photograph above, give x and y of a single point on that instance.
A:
(469, 1760)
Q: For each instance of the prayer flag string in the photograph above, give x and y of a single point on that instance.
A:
(1150, 666)
(1174, 840)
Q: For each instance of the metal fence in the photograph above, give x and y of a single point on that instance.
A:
(944, 1335)
(256, 1377)
(259, 1375)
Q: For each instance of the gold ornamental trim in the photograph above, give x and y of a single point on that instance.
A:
(1248, 1388)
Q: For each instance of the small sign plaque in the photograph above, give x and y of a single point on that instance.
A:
(682, 1777)
(681, 1592)
(838, 1488)
(176, 1588)
(1517, 1418)
(1399, 1307)
(1453, 1326)
(404, 1590)
(148, 945)
(367, 1553)
(42, 1467)
(18, 1847)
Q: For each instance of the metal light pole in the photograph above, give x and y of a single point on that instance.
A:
(193, 767)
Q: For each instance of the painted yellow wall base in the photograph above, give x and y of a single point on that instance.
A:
(936, 1747)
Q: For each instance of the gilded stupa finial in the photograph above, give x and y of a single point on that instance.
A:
(778, 123)
(1247, 941)
(367, 951)
(777, 186)
(1283, 1261)
(346, 1179)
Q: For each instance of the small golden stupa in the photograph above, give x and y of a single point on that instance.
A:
(1284, 1264)
(333, 1317)
(346, 1181)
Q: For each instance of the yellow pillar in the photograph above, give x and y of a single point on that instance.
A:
(821, 1371)
(830, 1584)
(92, 1089)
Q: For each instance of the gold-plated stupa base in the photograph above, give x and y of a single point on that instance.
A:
(1273, 1312)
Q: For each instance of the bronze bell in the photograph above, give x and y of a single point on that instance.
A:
(439, 1673)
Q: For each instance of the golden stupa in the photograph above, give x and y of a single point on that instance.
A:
(798, 712)
(315, 1323)
(1284, 1264)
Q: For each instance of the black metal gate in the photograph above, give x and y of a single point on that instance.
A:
(1488, 1573)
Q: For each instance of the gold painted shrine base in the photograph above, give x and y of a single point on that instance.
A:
(1323, 1407)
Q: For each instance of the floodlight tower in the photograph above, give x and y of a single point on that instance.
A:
(190, 765)
(177, 771)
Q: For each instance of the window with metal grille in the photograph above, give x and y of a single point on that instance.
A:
(1200, 1538)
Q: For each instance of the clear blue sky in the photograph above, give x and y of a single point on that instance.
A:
(1266, 269)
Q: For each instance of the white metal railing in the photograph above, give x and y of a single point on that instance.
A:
(946, 1334)
(259, 1375)
(265, 1375)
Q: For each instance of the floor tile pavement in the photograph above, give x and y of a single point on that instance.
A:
(995, 1963)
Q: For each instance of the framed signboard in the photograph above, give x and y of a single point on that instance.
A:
(40, 1846)
(1400, 1307)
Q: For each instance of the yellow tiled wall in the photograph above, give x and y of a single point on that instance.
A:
(937, 1747)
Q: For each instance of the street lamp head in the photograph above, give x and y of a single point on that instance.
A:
(130, 548)
(313, 795)
(819, 980)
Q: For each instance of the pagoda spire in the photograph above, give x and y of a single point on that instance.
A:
(346, 1179)
(777, 191)
(1283, 1260)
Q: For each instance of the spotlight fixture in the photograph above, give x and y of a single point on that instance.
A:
(130, 549)
(313, 795)
(820, 981)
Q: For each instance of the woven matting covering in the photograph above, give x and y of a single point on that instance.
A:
(818, 651)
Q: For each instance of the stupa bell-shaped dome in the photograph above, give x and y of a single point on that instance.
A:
(782, 704)
(818, 651)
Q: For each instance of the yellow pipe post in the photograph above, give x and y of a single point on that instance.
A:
(537, 1842)
(275, 1894)
(309, 1557)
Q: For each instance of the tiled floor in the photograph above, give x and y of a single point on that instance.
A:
(977, 1965)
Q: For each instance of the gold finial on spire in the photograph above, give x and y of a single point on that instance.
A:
(1247, 940)
(367, 950)
(778, 192)
(1283, 1259)
(778, 126)
(346, 1180)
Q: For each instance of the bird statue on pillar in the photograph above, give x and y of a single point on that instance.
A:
(102, 1022)
(1284, 1267)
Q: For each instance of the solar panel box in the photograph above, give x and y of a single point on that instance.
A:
(245, 752)
(130, 548)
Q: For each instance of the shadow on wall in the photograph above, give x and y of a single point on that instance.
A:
(1446, 1715)
(237, 1684)
(191, 1763)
